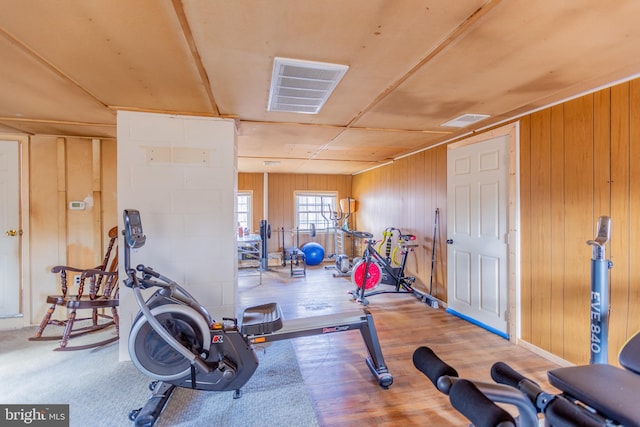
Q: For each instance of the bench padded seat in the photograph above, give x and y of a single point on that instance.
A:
(629, 356)
(612, 391)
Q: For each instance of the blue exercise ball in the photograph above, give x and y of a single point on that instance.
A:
(313, 253)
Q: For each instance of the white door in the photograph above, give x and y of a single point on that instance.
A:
(477, 192)
(9, 230)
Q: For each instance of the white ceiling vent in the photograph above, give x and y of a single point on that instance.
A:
(465, 120)
(302, 86)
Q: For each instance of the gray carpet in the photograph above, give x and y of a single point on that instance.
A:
(102, 391)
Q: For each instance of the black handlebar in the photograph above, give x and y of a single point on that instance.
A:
(504, 374)
(367, 235)
(477, 407)
(407, 237)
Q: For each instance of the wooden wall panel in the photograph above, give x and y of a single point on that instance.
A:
(540, 210)
(556, 237)
(110, 214)
(594, 170)
(602, 152)
(62, 170)
(633, 324)
(620, 196)
(439, 193)
(579, 227)
(405, 194)
(525, 225)
(43, 223)
(80, 233)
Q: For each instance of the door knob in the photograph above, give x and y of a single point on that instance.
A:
(449, 241)
(11, 233)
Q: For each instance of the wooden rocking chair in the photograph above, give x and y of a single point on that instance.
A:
(103, 294)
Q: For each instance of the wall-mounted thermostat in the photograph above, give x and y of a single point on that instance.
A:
(77, 206)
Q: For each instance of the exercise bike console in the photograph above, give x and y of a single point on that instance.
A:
(134, 236)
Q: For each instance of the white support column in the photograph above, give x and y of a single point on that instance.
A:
(180, 173)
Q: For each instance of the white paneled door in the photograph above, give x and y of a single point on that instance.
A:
(477, 193)
(9, 230)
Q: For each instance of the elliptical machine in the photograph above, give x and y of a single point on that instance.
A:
(342, 265)
(175, 341)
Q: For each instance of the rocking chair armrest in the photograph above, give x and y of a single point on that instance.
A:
(60, 268)
(97, 272)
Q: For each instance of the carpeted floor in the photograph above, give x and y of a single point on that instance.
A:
(102, 391)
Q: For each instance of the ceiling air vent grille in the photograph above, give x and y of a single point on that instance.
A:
(465, 120)
(302, 86)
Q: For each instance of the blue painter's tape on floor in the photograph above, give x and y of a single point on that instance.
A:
(482, 325)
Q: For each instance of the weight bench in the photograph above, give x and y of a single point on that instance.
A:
(611, 391)
(596, 395)
(295, 256)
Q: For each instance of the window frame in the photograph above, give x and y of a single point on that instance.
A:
(320, 223)
(249, 212)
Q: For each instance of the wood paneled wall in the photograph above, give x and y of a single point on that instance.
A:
(405, 195)
(63, 170)
(281, 202)
(580, 160)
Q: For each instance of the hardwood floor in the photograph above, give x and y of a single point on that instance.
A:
(343, 390)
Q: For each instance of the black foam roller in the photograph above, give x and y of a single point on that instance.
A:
(427, 362)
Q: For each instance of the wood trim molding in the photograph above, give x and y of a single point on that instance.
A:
(61, 177)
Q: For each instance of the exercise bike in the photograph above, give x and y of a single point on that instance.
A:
(176, 342)
(596, 395)
(374, 269)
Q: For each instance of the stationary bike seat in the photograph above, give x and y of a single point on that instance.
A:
(361, 234)
(611, 391)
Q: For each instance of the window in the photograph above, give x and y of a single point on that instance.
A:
(310, 207)
(244, 210)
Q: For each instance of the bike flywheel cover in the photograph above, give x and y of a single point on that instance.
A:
(373, 276)
(156, 358)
